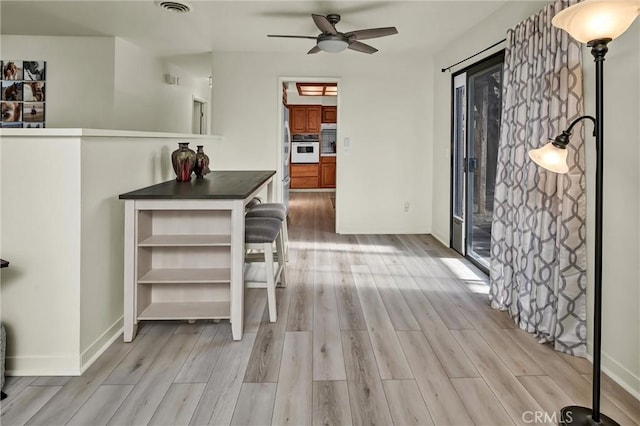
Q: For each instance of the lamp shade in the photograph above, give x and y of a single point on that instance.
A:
(551, 158)
(332, 45)
(597, 19)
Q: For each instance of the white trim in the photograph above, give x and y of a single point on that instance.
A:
(440, 238)
(617, 372)
(52, 132)
(43, 365)
(97, 348)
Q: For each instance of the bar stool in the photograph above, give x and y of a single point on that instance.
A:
(277, 210)
(259, 234)
(252, 203)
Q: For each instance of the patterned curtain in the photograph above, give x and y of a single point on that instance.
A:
(538, 253)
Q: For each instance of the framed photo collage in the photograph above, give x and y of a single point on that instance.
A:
(23, 97)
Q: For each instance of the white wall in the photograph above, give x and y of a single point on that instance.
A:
(41, 238)
(621, 270)
(79, 85)
(621, 221)
(108, 83)
(142, 98)
(384, 108)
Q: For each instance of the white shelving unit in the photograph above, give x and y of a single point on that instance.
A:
(184, 249)
(182, 264)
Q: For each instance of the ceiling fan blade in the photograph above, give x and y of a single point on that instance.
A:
(323, 24)
(372, 33)
(291, 36)
(314, 49)
(361, 47)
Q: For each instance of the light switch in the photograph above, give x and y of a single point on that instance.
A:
(347, 144)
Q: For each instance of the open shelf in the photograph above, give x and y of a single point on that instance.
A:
(186, 241)
(178, 276)
(185, 310)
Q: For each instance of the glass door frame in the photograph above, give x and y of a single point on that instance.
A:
(465, 73)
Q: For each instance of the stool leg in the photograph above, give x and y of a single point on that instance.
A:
(282, 263)
(285, 238)
(271, 284)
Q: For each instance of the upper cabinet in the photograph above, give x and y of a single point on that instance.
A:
(298, 118)
(305, 118)
(329, 114)
(314, 118)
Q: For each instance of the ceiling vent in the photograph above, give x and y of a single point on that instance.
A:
(174, 6)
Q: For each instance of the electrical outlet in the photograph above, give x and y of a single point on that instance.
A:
(406, 206)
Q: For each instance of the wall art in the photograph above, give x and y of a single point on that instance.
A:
(23, 94)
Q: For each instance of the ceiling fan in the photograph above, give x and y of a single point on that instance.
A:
(331, 40)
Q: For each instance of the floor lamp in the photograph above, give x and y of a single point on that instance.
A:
(596, 23)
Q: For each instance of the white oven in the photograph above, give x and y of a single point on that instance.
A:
(305, 152)
(305, 149)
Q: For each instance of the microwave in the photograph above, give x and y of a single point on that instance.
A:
(305, 152)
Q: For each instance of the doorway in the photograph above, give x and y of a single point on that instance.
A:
(477, 108)
(199, 122)
(310, 107)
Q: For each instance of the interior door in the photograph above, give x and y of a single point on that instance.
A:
(199, 123)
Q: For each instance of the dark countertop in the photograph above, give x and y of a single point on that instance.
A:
(3, 263)
(226, 185)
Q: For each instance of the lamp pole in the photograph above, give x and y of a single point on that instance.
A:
(598, 50)
(576, 415)
(596, 23)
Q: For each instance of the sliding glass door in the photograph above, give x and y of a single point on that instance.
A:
(477, 108)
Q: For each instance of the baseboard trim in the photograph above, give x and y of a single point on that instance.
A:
(440, 238)
(73, 365)
(42, 366)
(618, 373)
(101, 344)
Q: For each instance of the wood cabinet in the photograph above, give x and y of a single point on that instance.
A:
(298, 118)
(304, 176)
(327, 172)
(322, 175)
(314, 118)
(329, 114)
(305, 118)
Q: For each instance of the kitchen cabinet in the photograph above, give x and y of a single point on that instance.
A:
(305, 118)
(327, 172)
(329, 114)
(304, 176)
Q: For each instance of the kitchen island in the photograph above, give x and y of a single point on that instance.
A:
(184, 249)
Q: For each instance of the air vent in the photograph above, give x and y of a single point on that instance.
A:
(174, 6)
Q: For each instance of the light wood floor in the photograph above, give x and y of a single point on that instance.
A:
(372, 329)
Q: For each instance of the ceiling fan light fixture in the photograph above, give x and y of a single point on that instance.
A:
(332, 43)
